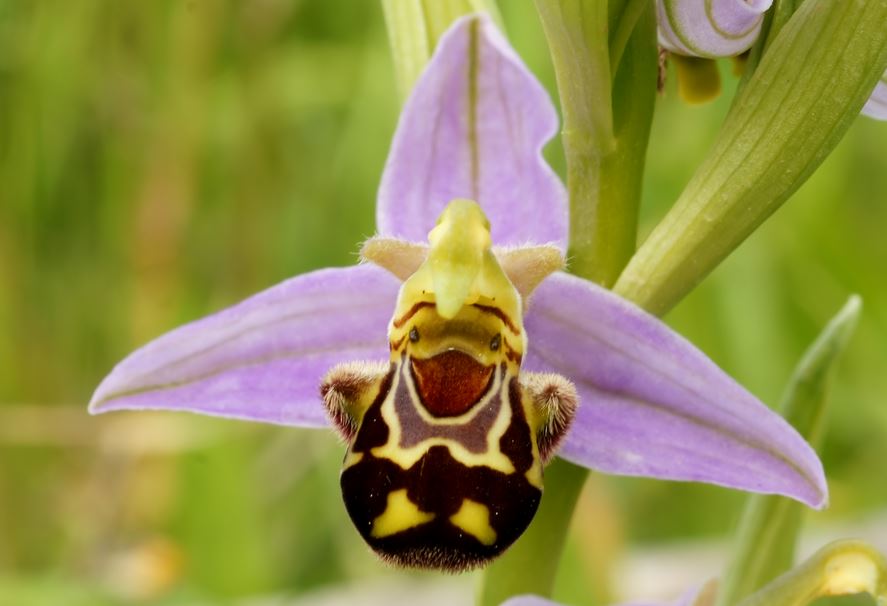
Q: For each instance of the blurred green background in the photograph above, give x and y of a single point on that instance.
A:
(162, 159)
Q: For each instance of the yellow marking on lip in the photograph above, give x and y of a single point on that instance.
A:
(400, 514)
(351, 458)
(474, 518)
(534, 473)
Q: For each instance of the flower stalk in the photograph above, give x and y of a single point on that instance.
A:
(607, 90)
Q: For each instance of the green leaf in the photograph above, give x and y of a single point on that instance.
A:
(809, 87)
(768, 530)
(623, 17)
(774, 20)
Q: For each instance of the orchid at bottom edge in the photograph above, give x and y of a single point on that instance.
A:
(495, 356)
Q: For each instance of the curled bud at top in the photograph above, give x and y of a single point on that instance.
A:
(876, 107)
(710, 28)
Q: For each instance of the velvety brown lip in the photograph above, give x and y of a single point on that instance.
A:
(450, 382)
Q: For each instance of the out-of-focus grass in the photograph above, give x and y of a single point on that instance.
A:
(160, 160)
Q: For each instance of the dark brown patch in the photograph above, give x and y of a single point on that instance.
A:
(395, 345)
(515, 442)
(450, 383)
(662, 70)
(511, 354)
(373, 430)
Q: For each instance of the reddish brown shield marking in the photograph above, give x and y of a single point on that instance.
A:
(451, 382)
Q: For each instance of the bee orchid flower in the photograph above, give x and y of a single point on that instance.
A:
(493, 359)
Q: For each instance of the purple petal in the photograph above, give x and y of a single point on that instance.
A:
(704, 595)
(876, 107)
(529, 600)
(710, 28)
(651, 404)
(474, 127)
(694, 597)
(262, 359)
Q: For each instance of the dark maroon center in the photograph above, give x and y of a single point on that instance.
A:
(450, 383)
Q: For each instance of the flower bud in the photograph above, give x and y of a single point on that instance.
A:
(710, 28)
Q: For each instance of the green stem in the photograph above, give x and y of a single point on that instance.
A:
(607, 120)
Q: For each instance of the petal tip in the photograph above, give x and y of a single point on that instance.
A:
(656, 406)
